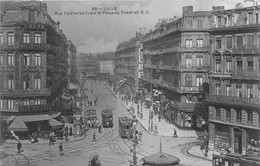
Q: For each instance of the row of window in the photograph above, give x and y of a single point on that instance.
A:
(238, 43)
(26, 38)
(238, 91)
(189, 44)
(239, 65)
(226, 21)
(26, 83)
(238, 115)
(10, 103)
(199, 61)
(188, 80)
(26, 59)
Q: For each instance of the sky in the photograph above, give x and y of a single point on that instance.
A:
(103, 32)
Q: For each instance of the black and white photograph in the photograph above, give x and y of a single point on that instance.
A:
(130, 83)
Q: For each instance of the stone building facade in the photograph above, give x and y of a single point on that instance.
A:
(128, 61)
(234, 99)
(33, 61)
(176, 62)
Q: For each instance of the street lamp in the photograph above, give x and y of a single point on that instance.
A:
(150, 121)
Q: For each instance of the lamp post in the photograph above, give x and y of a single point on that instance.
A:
(150, 121)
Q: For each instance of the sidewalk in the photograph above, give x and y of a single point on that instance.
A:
(197, 152)
(163, 128)
(42, 141)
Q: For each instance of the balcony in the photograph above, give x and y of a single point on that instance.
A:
(25, 92)
(228, 119)
(190, 89)
(238, 120)
(34, 108)
(250, 123)
(251, 75)
(234, 100)
(192, 49)
(168, 67)
(191, 106)
(194, 68)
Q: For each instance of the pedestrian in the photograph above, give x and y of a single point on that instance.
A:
(136, 132)
(19, 146)
(50, 140)
(66, 137)
(175, 133)
(140, 135)
(61, 149)
(99, 128)
(159, 117)
(94, 137)
(70, 131)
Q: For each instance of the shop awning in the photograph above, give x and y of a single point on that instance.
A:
(55, 124)
(55, 115)
(34, 118)
(72, 86)
(18, 125)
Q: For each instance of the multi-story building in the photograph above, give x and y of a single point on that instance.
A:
(33, 62)
(234, 99)
(72, 58)
(176, 61)
(106, 63)
(91, 67)
(128, 63)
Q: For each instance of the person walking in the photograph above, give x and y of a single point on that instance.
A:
(61, 149)
(99, 128)
(19, 146)
(140, 135)
(175, 133)
(94, 137)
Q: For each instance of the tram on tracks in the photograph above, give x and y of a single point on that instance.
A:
(107, 118)
(125, 127)
(235, 160)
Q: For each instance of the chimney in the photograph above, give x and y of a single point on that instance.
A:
(187, 10)
(218, 8)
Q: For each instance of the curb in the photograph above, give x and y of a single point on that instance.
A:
(203, 158)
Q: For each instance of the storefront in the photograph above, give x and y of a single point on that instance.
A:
(222, 137)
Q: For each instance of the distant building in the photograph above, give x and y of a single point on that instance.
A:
(106, 63)
(176, 62)
(129, 61)
(72, 60)
(91, 66)
(234, 98)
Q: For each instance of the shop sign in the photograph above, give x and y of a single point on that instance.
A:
(36, 26)
(34, 45)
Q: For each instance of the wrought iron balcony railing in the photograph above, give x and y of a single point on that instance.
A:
(234, 100)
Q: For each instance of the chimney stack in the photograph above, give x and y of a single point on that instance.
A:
(187, 10)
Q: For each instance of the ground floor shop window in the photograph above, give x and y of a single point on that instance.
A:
(222, 137)
(185, 120)
(253, 141)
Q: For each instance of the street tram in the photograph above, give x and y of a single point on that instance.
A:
(235, 160)
(107, 118)
(125, 127)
